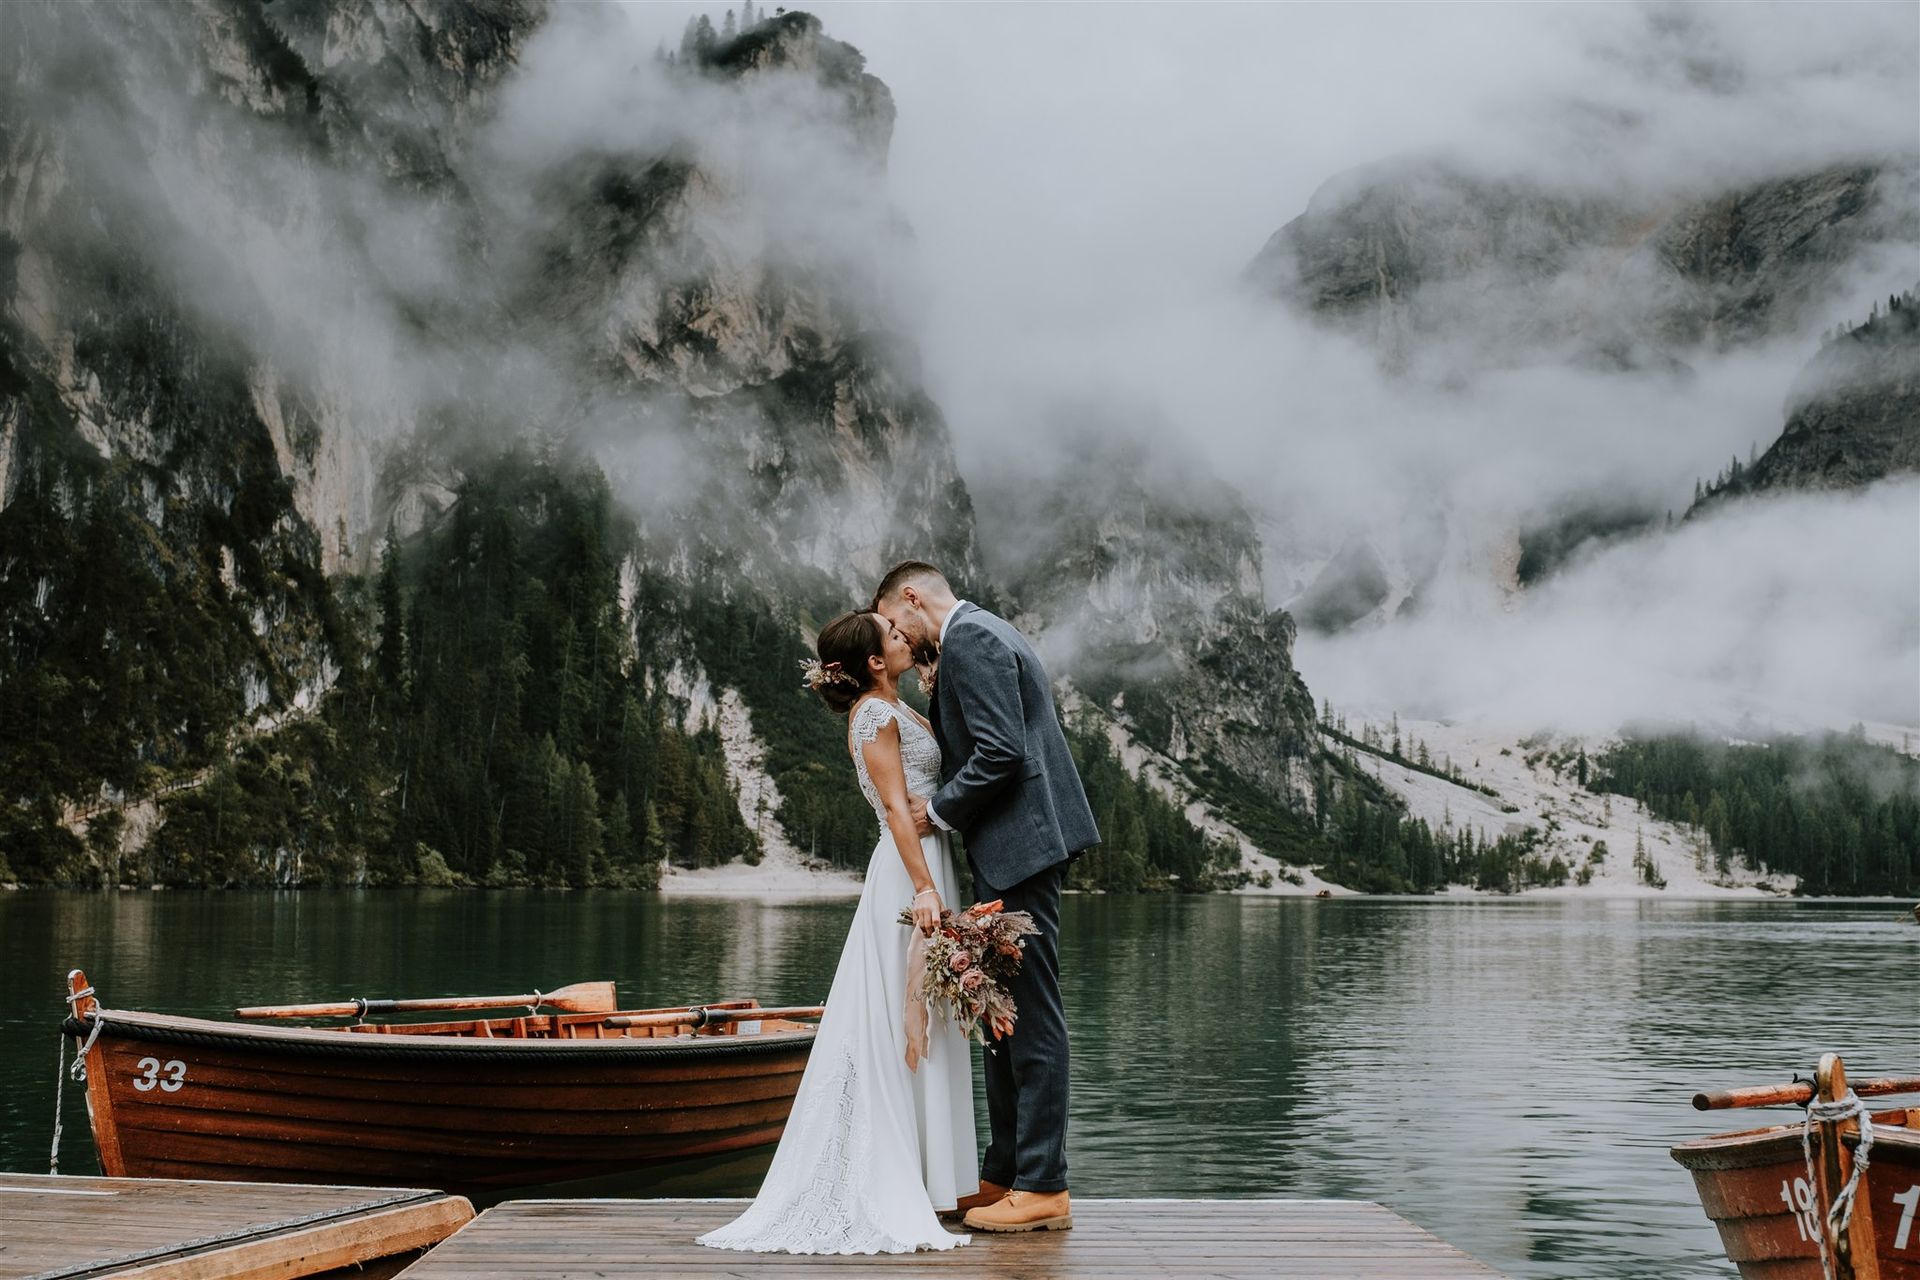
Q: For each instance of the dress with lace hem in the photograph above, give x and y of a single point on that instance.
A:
(871, 1148)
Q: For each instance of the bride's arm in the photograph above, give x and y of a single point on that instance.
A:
(889, 776)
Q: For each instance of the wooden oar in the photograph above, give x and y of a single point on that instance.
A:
(581, 997)
(707, 1017)
(1799, 1093)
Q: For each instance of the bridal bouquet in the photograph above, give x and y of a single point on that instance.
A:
(965, 967)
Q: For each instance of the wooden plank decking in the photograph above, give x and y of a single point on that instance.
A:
(1112, 1239)
(157, 1229)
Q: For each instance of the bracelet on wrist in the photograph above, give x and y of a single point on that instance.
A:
(924, 892)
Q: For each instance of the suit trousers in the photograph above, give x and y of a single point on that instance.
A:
(1026, 1074)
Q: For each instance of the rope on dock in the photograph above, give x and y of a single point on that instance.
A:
(1840, 1213)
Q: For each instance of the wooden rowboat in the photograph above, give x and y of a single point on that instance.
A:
(1771, 1215)
(481, 1107)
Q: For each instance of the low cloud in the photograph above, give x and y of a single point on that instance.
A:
(1795, 611)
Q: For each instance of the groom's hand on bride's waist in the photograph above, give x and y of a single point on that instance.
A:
(922, 819)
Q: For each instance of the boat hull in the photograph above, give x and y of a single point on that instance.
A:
(189, 1098)
(1754, 1187)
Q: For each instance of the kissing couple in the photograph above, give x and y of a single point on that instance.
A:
(877, 1151)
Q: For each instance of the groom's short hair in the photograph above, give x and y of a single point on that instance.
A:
(917, 572)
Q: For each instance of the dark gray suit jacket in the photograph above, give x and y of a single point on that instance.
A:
(1011, 788)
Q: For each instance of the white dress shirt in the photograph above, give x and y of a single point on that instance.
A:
(945, 622)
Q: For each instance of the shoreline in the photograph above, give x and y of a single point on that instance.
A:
(740, 880)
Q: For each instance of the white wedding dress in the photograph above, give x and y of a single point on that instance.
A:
(873, 1149)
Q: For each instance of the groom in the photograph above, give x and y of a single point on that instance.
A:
(1011, 790)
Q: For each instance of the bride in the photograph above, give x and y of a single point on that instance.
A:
(874, 1148)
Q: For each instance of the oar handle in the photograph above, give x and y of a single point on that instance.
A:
(360, 1008)
(1799, 1093)
(581, 997)
(707, 1017)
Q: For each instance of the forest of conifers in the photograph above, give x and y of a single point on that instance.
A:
(1837, 811)
(500, 716)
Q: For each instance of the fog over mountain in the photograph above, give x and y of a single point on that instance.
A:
(1086, 192)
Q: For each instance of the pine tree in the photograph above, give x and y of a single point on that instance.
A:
(582, 833)
(1719, 825)
(392, 655)
(622, 853)
(654, 846)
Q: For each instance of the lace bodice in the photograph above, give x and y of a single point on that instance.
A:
(919, 753)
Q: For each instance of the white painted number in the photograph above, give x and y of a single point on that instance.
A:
(1798, 1196)
(1910, 1198)
(150, 1076)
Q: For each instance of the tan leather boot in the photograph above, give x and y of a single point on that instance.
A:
(989, 1193)
(1025, 1211)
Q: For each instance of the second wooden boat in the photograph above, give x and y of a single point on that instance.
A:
(1772, 1215)
(482, 1107)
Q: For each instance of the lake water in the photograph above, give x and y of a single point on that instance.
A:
(1508, 1074)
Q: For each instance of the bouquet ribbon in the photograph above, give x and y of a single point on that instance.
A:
(917, 1001)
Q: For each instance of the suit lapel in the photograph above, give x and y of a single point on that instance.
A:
(940, 688)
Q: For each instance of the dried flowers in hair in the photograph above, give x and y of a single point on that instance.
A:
(814, 674)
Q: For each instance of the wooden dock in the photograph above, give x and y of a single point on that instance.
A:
(61, 1228)
(1111, 1239)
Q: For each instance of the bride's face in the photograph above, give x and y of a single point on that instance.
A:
(894, 649)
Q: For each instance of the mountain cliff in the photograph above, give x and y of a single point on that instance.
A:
(1853, 414)
(1443, 269)
(1141, 575)
(297, 290)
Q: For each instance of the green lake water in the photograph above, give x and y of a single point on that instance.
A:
(1507, 1074)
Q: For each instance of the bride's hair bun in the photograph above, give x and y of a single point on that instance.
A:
(840, 674)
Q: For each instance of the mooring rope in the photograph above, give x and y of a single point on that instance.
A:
(59, 1094)
(79, 1072)
(1840, 1213)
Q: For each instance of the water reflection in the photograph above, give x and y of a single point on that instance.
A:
(1508, 1074)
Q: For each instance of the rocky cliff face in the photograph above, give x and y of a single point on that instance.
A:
(1443, 269)
(759, 347)
(1853, 415)
(169, 499)
(1141, 576)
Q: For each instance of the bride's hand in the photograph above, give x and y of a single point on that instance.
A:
(926, 911)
